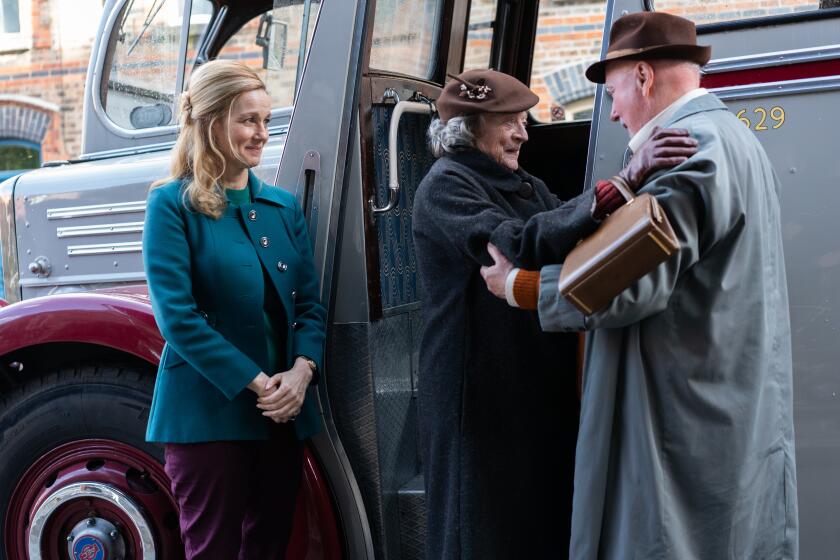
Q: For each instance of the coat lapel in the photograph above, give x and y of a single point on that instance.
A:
(264, 193)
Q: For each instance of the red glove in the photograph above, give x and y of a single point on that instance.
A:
(607, 200)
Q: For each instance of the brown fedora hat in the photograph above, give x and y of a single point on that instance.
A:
(650, 35)
(484, 91)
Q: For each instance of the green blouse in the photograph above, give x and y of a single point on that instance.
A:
(273, 312)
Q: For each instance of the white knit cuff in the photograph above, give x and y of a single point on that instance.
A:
(511, 277)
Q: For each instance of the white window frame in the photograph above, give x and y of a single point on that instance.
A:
(22, 40)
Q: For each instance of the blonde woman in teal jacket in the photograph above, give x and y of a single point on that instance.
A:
(236, 297)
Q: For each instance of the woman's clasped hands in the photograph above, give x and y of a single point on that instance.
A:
(280, 396)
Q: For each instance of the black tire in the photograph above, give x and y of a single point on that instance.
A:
(69, 404)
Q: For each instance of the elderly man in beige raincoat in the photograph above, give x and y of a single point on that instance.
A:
(686, 447)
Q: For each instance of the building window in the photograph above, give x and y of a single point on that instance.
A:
(15, 25)
(568, 41)
(10, 16)
(17, 156)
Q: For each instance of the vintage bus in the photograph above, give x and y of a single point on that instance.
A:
(353, 84)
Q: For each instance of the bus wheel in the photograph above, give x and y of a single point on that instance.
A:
(77, 479)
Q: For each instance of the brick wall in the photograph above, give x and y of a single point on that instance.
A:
(48, 72)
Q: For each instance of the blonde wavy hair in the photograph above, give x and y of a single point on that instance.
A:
(196, 159)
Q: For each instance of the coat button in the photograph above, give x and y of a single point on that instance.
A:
(203, 314)
(526, 190)
(294, 325)
(294, 295)
(282, 267)
(252, 215)
(264, 241)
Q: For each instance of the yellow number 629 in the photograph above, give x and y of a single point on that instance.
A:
(777, 114)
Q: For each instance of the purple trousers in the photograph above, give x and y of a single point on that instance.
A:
(236, 498)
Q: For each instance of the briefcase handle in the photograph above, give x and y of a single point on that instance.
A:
(628, 194)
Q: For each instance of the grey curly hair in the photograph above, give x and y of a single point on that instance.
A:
(455, 135)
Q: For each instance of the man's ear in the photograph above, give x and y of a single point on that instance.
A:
(644, 77)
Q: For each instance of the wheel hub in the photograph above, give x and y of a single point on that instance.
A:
(93, 500)
(95, 539)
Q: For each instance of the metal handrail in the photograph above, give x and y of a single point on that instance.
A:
(393, 169)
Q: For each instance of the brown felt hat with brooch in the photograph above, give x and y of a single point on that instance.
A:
(484, 91)
(650, 35)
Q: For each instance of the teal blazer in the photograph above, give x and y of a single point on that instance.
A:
(206, 285)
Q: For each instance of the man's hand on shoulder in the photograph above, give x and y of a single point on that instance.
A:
(665, 148)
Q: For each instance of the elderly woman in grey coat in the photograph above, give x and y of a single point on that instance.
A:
(497, 396)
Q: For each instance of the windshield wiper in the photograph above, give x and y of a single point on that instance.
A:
(149, 18)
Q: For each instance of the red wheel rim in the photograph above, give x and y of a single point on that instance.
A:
(139, 476)
(108, 463)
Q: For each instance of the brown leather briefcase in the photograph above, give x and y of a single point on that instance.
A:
(630, 242)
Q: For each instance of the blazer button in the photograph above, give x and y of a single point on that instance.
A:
(264, 241)
(282, 267)
(252, 215)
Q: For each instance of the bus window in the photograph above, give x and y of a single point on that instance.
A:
(482, 20)
(568, 40)
(140, 88)
(714, 11)
(271, 44)
(406, 45)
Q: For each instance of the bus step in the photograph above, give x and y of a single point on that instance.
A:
(412, 504)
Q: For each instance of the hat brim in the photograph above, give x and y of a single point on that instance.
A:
(447, 110)
(699, 54)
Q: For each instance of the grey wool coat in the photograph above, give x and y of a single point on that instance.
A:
(686, 447)
(497, 396)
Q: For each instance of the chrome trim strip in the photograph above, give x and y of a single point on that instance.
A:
(8, 242)
(186, 19)
(283, 128)
(779, 58)
(104, 249)
(83, 491)
(96, 210)
(104, 229)
(84, 279)
(108, 154)
(752, 91)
